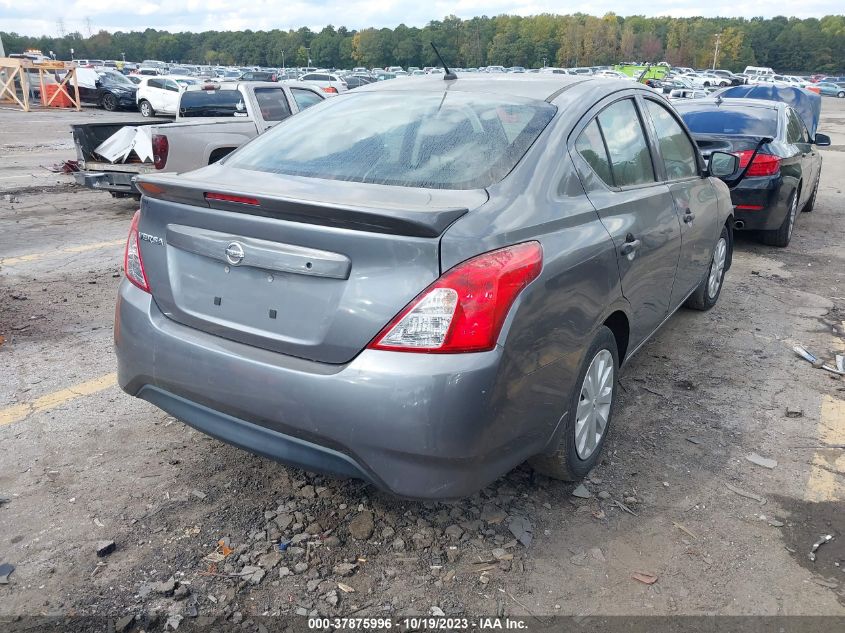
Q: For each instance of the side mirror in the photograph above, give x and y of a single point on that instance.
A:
(822, 140)
(722, 164)
(98, 83)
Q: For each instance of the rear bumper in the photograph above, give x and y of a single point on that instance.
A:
(416, 425)
(114, 181)
(768, 193)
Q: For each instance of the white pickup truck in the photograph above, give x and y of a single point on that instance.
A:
(213, 120)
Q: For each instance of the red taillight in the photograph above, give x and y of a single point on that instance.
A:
(331, 89)
(225, 197)
(133, 263)
(463, 311)
(763, 165)
(749, 207)
(161, 147)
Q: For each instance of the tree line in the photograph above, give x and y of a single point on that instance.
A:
(789, 45)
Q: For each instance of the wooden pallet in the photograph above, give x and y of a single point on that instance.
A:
(13, 68)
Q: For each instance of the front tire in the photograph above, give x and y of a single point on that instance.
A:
(590, 411)
(781, 236)
(841, 94)
(109, 102)
(707, 294)
(146, 108)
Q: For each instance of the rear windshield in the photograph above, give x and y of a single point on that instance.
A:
(728, 120)
(211, 103)
(450, 140)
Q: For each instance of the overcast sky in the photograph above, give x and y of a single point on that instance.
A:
(30, 18)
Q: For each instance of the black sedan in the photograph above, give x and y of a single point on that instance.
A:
(112, 91)
(259, 75)
(784, 175)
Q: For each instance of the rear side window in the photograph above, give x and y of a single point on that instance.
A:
(751, 121)
(590, 145)
(795, 130)
(212, 103)
(156, 83)
(305, 98)
(272, 103)
(630, 158)
(443, 140)
(679, 155)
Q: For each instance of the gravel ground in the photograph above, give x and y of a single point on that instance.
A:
(203, 529)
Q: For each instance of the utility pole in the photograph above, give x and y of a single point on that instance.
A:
(283, 60)
(60, 26)
(716, 52)
(88, 27)
(308, 54)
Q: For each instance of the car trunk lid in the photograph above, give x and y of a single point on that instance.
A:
(314, 273)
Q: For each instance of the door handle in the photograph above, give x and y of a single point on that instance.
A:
(630, 247)
(689, 216)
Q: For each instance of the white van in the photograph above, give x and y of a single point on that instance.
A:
(758, 70)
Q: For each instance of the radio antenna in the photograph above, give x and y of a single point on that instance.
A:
(449, 74)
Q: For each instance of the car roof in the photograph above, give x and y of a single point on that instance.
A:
(540, 86)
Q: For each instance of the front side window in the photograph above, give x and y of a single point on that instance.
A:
(305, 98)
(440, 140)
(678, 153)
(630, 158)
(155, 83)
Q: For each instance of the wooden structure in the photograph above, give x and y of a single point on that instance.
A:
(16, 72)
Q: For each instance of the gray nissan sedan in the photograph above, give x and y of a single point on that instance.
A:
(423, 284)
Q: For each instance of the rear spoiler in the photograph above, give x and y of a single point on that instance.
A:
(391, 221)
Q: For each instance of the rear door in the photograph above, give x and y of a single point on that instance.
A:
(637, 209)
(807, 155)
(694, 197)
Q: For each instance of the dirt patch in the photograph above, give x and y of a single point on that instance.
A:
(807, 524)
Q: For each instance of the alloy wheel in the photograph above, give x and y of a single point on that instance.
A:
(594, 403)
(717, 268)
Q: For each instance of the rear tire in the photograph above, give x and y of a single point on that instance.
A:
(146, 108)
(581, 439)
(707, 294)
(782, 236)
(812, 201)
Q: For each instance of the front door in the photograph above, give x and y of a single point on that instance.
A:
(638, 210)
(170, 97)
(693, 195)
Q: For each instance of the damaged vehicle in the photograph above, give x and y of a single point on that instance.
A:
(774, 132)
(212, 121)
(423, 284)
(107, 89)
